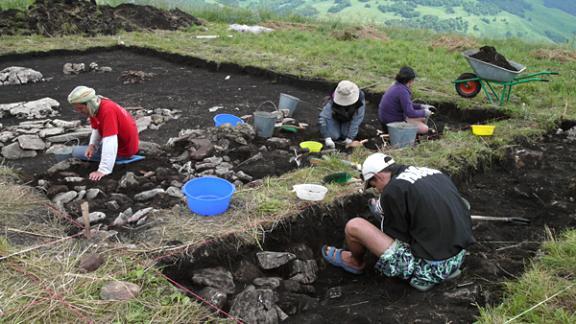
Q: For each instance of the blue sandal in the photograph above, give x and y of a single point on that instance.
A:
(334, 257)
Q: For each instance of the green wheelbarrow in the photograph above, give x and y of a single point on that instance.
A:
(486, 76)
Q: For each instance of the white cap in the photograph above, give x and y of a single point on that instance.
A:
(375, 163)
(347, 93)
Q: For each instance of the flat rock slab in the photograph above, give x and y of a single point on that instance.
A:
(119, 290)
(273, 260)
(91, 262)
(31, 142)
(18, 75)
(81, 134)
(215, 277)
(13, 152)
(32, 109)
(305, 272)
(255, 306)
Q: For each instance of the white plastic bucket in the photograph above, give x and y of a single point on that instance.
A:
(310, 192)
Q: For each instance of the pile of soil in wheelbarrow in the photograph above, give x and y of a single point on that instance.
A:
(65, 17)
(490, 55)
(536, 182)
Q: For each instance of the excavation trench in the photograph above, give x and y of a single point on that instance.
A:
(183, 93)
(536, 181)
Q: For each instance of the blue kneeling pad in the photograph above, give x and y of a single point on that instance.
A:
(129, 160)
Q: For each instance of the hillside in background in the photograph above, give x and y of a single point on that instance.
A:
(529, 20)
(534, 20)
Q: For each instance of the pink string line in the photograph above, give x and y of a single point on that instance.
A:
(181, 287)
(53, 295)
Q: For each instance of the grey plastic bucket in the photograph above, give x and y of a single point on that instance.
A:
(264, 123)
(402, 134)
(288, 102)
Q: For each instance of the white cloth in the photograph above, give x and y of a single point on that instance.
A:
(94, 137)
(109, 151)
(329, 143)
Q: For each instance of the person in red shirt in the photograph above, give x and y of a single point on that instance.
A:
(114, 132)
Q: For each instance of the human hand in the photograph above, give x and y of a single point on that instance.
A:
(329, 143)
(374, 206)
(96, 176)
(357, 143)
(428, 112)
(90, 151)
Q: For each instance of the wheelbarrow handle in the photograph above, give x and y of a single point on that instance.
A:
(515, 220)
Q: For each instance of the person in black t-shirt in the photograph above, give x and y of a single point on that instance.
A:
(425, 225)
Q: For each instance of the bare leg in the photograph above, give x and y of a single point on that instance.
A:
(420, 122)
(361, 235)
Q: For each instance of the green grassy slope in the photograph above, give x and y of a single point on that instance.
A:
(537, 22)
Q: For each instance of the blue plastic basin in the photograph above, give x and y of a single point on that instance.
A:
(208, 196)
(222, 119)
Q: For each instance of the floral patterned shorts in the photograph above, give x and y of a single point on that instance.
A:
(398, 261)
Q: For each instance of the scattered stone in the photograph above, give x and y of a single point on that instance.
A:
(281, 315)
(66, 123)
(243, 176)
(78, 135)
(139, 214)
(334, 292)
(278, 143)
(296, 287)
(74, 68)
(465, 295)
(247, 272)
(51, 131)
(33, 124)
(112, 204)
(122, 199)
(119, 290)
(255, 306)
(13, 152)
(255, 184)
(6, 136)
(267, 282)
(295, 303)
(200, 149)
(143, 123)
(56, 189)
(215, 277)
(36, 109)
(301, 250)
(122, 218)
(175, 183)
(150, 149)
(90, 262)
(73, 179)
(131, 76)
(92, 217)
(214, 296)
(272, 260)
(93, 193)
(64, 197)
(147, 195)
(60, 166)
(128, 181)
(305, 272)
(31, 142)
(17, 75)
(81, 194)
(175, 192)
(524, 157)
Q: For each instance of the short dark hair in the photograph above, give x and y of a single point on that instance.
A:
(405, 75)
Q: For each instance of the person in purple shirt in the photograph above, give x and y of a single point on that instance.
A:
(396, 104)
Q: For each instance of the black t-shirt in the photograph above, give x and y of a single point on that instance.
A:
(423, 208)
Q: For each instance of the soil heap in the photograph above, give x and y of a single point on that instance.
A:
(490, 55)
(65, 17)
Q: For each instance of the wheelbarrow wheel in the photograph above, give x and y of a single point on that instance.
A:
(468, 89)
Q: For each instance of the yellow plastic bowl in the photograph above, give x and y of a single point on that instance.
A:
(312, 146)
(483, 130)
